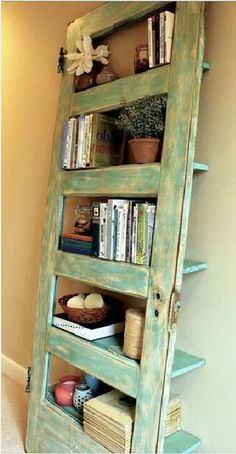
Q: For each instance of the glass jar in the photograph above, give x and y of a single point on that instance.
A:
(64, 390)
(83, 220)
(141, 58)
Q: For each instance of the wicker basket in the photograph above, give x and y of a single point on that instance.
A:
(85, 316)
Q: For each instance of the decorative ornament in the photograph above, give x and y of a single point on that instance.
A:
(61, 61)
(83, 60)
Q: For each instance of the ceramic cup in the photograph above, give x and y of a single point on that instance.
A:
(82, 393)
(94, 383)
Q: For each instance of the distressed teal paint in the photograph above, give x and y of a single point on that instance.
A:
(93, 359)
(181, 442)
(111, 96)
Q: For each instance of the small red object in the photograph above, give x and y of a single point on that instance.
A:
(64, 390)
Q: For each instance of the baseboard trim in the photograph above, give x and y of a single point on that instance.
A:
(14, 371)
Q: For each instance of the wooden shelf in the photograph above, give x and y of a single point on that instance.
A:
(111, 275)
(111, 96)
(131, 180)
(179, 442)
(104, 359)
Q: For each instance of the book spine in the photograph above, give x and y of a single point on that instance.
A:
(134, 234)
(89, 134)
(151, 210)
(103, 231)
(95, 228)
(74, 250)
(158, 39)
(119, 233)
(68, 143)
(76, 243)
(162, 38)
(73, 141)
(129, 233)
(80, 140)
(76, 144)
(64, 139)
(124, 222)
(152, 41)
(141, 234)
(85, 141)
(169, 27)
(110, 230)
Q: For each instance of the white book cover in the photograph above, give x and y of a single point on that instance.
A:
(98, 331)
(169, 28)
(103, 231)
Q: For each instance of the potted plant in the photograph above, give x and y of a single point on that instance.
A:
(144, 123)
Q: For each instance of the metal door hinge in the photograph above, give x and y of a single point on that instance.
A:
(27, 388)
(174, 310)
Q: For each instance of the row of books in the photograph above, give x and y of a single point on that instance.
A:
(160, 37)
(91, 140)
(122, 230)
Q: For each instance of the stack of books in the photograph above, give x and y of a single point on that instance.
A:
(109, 419)
(173, 417)
(160, 37)
(77, 244)
(91, 140)
(123, 230)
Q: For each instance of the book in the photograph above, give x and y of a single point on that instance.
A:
(76, 243)
(134, 233)
(151, 210)
(95, 228)
(152, 41)
(162, 38)
(80, 132)
(142, 234)
(168, 34)
(64, 142)
(107, 142)
(103, 231)
(112, 325)
(112, 205)
(77, 236)
(121, 231)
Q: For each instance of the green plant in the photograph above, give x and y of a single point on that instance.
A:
(144, 117)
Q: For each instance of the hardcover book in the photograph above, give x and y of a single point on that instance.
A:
(107, 142)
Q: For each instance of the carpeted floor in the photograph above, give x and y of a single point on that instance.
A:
(14, 414)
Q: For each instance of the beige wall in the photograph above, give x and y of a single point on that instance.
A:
(32, 35)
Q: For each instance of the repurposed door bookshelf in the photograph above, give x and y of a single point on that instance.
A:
(50, 428)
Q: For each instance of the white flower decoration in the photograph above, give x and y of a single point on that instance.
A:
(83, 61)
